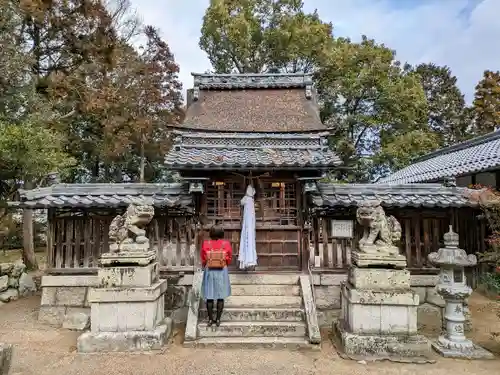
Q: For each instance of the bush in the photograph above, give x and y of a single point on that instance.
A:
(490, 282)
(489, 201)
(12, 232)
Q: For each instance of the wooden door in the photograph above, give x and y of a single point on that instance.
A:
(277, 233)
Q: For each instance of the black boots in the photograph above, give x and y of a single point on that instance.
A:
(220, 308)
(210, 311)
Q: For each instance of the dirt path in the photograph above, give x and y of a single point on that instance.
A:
(42, 350)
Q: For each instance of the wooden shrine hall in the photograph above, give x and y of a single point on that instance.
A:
(262, 130)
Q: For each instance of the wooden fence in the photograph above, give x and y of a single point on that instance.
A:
(76, 241)
(422, 233)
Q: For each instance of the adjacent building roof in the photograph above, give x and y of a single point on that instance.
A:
(253, 103)
(409, 195)
(475, 155)
(105, 195)
(201, 150)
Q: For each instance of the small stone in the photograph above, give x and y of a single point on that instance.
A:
(5, 358)
(9, 295)
(18, 269)
(434, 298)
(4, 283)
(26, 285)
(13, 282)
(6, 268)
(78, 321)
(362, 362)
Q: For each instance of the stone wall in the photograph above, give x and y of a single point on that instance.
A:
(14, 282)
(327, 293)
(177, 297)
(64, 300)
(65, 304)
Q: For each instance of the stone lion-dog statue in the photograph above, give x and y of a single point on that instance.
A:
(381, 232)
(127, 233)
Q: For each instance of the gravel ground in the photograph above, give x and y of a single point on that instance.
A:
(43, 350)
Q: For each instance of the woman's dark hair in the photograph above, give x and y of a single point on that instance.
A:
(216, 232)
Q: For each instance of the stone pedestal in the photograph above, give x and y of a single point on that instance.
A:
(5, 358)
(127, 309)
(379, 312)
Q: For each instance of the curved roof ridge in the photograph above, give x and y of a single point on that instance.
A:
(461, 146)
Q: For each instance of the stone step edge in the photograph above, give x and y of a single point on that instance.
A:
(264, 301)
(266, 323)
(258, 309)
(274, 342)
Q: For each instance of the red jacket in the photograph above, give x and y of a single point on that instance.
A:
(223, 245)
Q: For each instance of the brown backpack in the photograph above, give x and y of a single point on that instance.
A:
(216, 258)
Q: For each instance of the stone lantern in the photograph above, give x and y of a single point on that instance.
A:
(453, 288)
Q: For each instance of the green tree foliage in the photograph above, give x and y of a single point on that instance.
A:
(487, 102)
(74, 93)
(373, 106)
(447, 113)
(29, 151)
(255, 36)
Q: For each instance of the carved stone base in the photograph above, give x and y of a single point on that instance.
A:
(128, 276)
(378, 260)
(131, 341)
(379, 312)
(465, 350)
(140, 258)
(379, 278)
(411, 348)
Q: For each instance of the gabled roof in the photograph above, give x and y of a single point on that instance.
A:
(253, 103)
(408, 195)
(475, 155)
(105, 196)
(208, 150)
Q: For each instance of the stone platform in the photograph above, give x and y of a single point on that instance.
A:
(141, 258)
(379, 316)
(380, 260)
(360, 346)
(472, 352)
(127, 308)
(128, 341)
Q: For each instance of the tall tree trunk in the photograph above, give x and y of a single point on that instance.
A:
(29, 257)
(142, 164)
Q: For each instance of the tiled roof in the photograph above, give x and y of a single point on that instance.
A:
(105, 195)
(409, 195)
(253, 103)
(250, 150)
(478, 154)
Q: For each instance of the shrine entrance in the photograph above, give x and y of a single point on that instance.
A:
(278, 235)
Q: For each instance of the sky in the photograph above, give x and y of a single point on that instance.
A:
(458, 33)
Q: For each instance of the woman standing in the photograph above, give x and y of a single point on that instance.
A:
(216, 255)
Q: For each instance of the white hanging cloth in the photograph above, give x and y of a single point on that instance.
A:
(248, 252)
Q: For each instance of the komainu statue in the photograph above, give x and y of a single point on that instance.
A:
(127, 233)
(381, 232)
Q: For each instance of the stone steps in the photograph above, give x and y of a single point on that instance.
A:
(263, 279)
(259, 314)
(246, 329)
(263, 301)
(263, 311)
(255, 342)
(265, 290)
